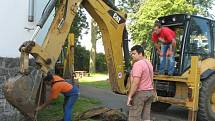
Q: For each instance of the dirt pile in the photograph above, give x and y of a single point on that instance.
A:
(102, 114)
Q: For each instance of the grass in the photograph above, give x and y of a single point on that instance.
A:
(55, 110)
(97, 80)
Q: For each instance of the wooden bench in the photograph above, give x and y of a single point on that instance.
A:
(80, 74)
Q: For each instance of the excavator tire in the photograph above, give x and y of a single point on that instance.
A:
(159, 106)
(206, 110)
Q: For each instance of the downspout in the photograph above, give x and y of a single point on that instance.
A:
(31, 10)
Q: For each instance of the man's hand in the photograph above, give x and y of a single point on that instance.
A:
(174, 43)
(129, 101)
(169, 53)
(159, 53)
(157, 46)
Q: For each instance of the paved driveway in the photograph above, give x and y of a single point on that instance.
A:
(111, 100)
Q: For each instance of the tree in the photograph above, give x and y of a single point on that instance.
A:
(81, 55)
(130, 6)
(142, 21)
(79, 24)
(94, 29)
(203, 5)
(95, 35)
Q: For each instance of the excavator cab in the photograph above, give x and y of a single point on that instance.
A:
(194, 36)
(193, 82)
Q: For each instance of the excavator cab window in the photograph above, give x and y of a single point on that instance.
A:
(198, 41)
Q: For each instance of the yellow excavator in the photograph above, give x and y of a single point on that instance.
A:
(64, 66)
(26, 90)
(193, 83)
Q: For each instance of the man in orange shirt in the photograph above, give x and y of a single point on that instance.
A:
(59, 85)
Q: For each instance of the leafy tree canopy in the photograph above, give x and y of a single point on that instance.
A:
(79, 24)
(143, 20)
(203, 5)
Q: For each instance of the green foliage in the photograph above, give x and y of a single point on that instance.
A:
(129, 6)
(143, 20)
(101, 65)
(103, 84)
(81, 58)
(203, 5)
(55, 110)
(97, 80)
(80, 23)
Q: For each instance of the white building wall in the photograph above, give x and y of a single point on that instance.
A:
(14, 20)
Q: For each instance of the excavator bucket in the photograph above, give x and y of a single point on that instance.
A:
(22, 91)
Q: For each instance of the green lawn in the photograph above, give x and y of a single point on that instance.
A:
(96, 80)
(55, 110)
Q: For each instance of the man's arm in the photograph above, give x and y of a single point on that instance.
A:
(157, 46)
(173, 45)
(155, 40)
(52, 96)
(158, 50)
(133, 89)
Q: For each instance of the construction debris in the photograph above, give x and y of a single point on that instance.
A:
(102, 114)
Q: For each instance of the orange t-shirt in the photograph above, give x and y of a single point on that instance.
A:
(59, 87)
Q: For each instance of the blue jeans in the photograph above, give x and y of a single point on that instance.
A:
(171, 69)
(69, 101)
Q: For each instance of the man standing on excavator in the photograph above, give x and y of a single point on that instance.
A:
(59, 85)
(167, 38)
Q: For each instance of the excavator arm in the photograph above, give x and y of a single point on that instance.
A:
(26, 90)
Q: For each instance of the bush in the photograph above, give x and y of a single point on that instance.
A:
(81, 58)
(101, 65)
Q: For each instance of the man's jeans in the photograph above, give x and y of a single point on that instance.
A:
(70, 99)
(171, 69)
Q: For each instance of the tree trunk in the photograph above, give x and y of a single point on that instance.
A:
(92, 68)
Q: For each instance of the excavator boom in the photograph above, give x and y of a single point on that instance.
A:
(26, 90)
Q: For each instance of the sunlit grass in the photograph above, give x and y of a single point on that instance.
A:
(55, 110)
(97, 80)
